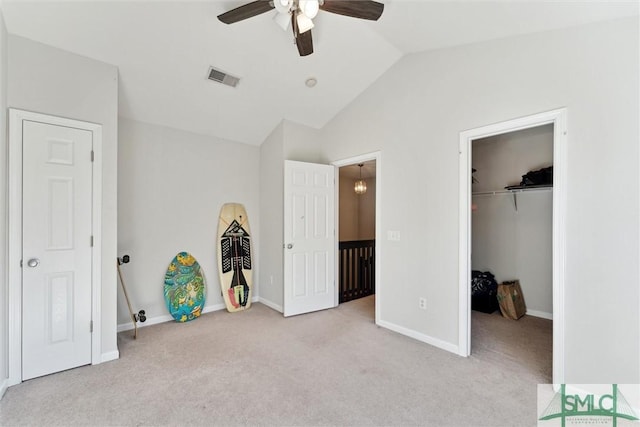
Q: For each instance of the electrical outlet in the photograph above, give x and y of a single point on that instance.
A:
(422, 303)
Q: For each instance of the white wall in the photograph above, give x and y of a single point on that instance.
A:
(301, 143)
(514, 244)
(367, 212)
(501, 160)
(4, 335)
(171, 186)
(414, 114)
(288, 141)
(271, 211)
(357, 211)
(349, 214)
(47, 80)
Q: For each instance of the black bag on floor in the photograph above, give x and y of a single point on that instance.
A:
(484, 290)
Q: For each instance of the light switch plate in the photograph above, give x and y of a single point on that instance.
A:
(393, 235)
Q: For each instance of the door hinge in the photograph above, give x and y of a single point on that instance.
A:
(91, 241)
(92, 155)
(91, 326)
(20, 263)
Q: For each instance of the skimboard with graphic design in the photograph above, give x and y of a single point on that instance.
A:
(184, 288)
(234, 257)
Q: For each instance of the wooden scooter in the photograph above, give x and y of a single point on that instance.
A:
(135, 317)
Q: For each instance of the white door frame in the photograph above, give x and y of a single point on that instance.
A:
(377, 156)
(14, 300)
(559, 119)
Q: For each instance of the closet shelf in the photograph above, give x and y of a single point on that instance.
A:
(514, 191)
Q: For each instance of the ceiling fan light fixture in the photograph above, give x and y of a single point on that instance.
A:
(310, 8)
(304, 23)
(283, 20)
(302, 13)
(282, 6)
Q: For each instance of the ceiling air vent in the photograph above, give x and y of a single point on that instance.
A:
(222, 77)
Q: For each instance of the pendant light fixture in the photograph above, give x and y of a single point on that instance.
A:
(360, 186)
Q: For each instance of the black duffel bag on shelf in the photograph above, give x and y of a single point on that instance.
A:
(542, 176)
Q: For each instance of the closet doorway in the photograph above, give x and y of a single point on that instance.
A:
(514, 232)
(511, 219)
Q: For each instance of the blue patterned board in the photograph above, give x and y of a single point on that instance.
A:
(184, 288)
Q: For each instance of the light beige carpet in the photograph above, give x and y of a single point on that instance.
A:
(334, 367)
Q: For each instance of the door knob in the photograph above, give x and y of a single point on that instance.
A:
(289, 246)
(33, 262)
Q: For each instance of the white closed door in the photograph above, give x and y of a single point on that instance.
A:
(309, 237)
(57, 248)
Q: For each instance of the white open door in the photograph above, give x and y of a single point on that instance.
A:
(57, 253)
(309, 237)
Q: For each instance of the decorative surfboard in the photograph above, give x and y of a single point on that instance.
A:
(184, 288)
(234, 257)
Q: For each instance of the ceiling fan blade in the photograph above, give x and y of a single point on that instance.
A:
(363, 9)
(304, 41)
(246, 11)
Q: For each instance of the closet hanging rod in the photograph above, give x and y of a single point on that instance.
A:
(515, 190)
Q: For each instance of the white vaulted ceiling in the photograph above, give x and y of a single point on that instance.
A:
(164, 49)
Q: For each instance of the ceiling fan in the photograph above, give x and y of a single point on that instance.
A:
(299, 14)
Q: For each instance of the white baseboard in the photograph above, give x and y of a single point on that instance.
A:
(108, 357)
(4, 384)
(420, 337)
(150, 321)
(13, 381)
(168, 318)
(542, 314)
(272, 305)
